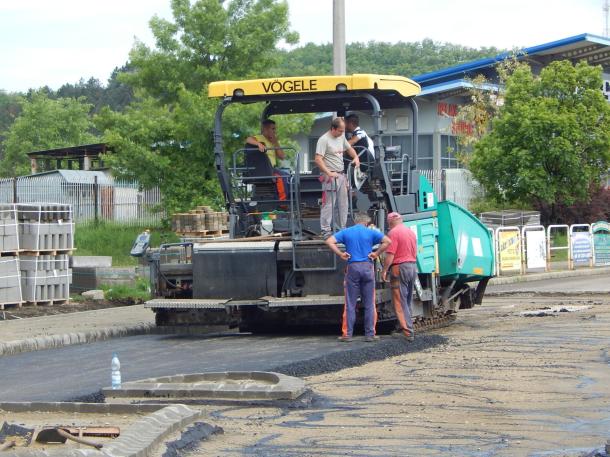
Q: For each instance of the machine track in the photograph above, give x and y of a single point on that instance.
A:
(422, 325)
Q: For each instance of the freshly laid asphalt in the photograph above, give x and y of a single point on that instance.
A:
(80, 371)
(77, 372)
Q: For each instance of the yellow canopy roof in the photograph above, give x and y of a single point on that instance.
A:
(313, 84)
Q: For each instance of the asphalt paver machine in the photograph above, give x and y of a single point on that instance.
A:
(274, 271)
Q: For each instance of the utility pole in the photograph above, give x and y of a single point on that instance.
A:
(606, 8)
(339, 61)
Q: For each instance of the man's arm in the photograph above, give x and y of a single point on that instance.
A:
(279, 152)
(254, 142)
(331, 242)
(389, 258)
(385, 243)
(354, 155)
(319, 160)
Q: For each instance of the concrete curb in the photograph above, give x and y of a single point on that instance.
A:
(138, 440)
(67, 339)
(227, 385)
(501, 280)
(79, 407)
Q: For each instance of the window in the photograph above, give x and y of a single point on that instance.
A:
(449, 149)
(425, 157)
(311, 154)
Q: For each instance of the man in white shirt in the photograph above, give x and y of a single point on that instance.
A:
(329, 159)
(357, 137)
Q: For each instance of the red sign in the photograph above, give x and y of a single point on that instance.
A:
(448, 109)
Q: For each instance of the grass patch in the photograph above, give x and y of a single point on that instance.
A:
(128, 295)
(108, 238)
(558, 239)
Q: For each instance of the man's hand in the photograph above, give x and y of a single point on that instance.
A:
(356, 162)
(373, 256)
(384, 275)
(333, 174)
(345, 256)
(262, 147)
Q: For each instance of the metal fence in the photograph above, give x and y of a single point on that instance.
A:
(455, 184)
(105, 200)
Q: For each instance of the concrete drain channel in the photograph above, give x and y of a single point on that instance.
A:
(157, 408)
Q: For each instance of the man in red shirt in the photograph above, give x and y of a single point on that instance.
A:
(400, 262)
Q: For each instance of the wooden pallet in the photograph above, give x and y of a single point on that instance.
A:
(4, 306)
(47, 252)
(203, 233)
(48, 302)
(9, 253)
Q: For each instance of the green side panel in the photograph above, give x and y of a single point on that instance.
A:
(426, 195)
(425, 230)
(464, 245)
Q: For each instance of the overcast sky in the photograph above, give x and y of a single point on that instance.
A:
(44, 42)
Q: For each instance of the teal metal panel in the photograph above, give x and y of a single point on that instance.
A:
(464, 244)
(426, 232)
(426, 196)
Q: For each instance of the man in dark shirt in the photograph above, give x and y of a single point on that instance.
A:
(359, 140)
(359, 274)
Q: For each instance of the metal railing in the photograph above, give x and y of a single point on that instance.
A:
(105, 200)
(455, 184)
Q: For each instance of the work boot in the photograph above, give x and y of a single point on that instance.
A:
(371, 338)
(345, 339)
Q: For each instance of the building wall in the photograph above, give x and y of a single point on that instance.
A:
(435, 127)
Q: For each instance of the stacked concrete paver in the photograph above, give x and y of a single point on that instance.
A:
(38, 238)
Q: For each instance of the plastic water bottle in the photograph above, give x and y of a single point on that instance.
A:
(115, 367)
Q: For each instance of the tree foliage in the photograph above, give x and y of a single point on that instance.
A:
(165, 138)
(116, 94)
(405, 59)
(44, 124)
(550, 143)
(10, 108)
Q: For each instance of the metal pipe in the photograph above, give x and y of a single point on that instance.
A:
(339, 60)
(219, 161)
(414, 139)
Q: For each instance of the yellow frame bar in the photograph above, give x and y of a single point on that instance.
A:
(314, 84)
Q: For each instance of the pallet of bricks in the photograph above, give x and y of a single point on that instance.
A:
(202, 222)
(36, 239)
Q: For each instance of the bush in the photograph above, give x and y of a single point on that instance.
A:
(128, 295)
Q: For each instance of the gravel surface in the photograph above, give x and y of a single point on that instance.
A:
(496, 383)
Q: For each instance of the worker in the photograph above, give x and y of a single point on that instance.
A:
(359, 274)
(268, 143)
(400, 263)
(358, 139)
(329, 159)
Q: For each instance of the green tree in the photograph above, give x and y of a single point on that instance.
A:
(165, 137)
(44, 124)
(405, 59)
(550, 143)
(9, 111)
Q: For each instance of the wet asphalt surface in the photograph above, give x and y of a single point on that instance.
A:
(79, 372)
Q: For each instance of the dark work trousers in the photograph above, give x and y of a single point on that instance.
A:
(402, 277)
(359, 282)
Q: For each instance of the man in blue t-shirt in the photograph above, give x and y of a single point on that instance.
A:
(359, 274)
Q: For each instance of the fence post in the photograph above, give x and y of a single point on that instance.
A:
(15, 190)
(95, 200)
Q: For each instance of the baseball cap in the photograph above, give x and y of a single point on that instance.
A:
(394, 215)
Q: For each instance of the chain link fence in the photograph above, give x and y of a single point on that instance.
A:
(93, 197)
